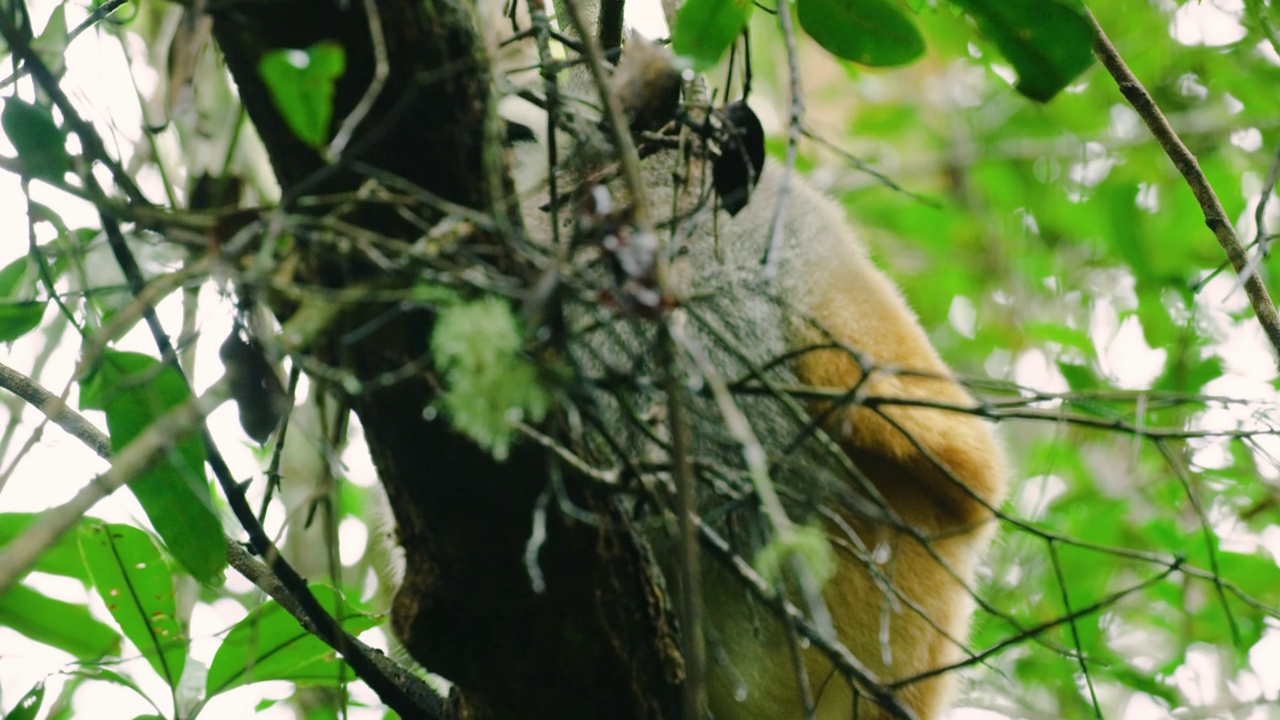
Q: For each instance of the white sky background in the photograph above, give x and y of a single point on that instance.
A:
(99, 82)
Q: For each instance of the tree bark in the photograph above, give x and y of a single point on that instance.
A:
(598, 642)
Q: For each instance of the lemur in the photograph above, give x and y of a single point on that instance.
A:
(840, 385)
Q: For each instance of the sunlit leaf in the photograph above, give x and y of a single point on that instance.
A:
(135, 390)
(134, 581)
(869, 32)
(66, 626)
(269, 644)
(1048, 42)
(302, 84)
(704, 29)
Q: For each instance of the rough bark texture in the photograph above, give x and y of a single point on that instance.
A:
(597, 642)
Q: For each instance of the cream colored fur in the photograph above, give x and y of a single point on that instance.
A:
(936, 471)
(910, 523)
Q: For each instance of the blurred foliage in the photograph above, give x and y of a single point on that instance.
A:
(1056, 249)
(1051, 249)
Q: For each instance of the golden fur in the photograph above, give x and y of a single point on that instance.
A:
(906, 549)
(937, 471)
(909, 524)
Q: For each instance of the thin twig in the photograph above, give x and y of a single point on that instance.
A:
(1214, 215)
(1075, 630)
(795, 117)
(99, 14)
(619, 128)
(381, 70)
(89, 137)
(695, 649)
(757, 462)
(1262, 16)
(850, 666)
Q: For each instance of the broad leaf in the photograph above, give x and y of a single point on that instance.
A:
(134, 390)
(61, 558)
(302, 86)
(41, 145)
(1049, 42)
(66, 626)
(269, 644)
(19, 313)
(135, 582)
(869, 32)
(704, 29)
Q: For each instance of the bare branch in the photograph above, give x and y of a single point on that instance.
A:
(55, 408)
(431, 705)
(1214, 215)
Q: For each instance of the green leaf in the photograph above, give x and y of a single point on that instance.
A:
(29, 706)
(41, 145)
(19, 314)
(869, 32)
(704, 29)
(490, 384)
(1049, 42)
(62, 558)
(134, 390)
(135, 582)
(66, 626)
(105, 674)
(302, 83)
(269, 644)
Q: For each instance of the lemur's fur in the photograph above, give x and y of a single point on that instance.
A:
(912, 518)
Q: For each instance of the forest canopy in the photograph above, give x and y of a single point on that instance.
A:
(267, 312)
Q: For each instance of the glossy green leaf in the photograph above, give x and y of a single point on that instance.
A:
(869, 32)
(135, 582)
(41, 145)
(134, 390)
(302, 85)
(704, 29)
(1048, 42)
(29, 706)
(269, 644)
(66, 626)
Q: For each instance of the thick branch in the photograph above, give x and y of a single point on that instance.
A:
(55, 408)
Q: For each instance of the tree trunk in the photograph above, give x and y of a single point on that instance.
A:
(598, 641)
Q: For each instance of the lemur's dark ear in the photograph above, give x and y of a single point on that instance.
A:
(518, 133)
(741, 159)
(647, 84)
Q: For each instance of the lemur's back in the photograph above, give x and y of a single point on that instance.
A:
(902, 493)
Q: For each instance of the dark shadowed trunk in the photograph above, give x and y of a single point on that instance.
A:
(597, 642)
